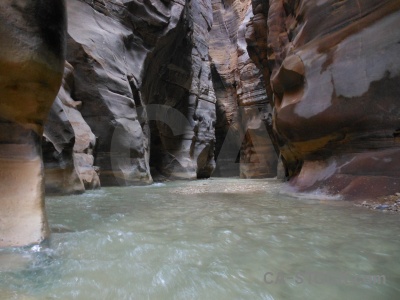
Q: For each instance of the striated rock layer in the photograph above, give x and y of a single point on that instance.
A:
(334, 69)
(243, 145)
(32, 39)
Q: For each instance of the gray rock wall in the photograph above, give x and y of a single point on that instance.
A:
(134, 68)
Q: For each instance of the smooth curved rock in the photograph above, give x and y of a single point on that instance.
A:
(105, 57)
(334, 69)
(32, 41)
(126, 58)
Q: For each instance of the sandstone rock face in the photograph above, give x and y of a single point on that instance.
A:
(258, 155)
(243, 108)
(334, 70)
(32, 36)
(68, 144)
(135, 69)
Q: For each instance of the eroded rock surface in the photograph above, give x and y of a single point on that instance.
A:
(178, 78)
(158, 86)
(136, 68)
(68, 145)
(32, 39)
(243, 108)
(334, 71)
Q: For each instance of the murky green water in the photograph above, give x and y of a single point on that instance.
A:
(209, 239)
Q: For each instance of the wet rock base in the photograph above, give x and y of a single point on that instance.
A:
(390, 204)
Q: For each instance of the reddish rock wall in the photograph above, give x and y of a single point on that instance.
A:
(334, 70)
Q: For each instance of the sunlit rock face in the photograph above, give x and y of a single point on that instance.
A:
(135, 68)
(243, 145)
(32, 40)
(334, 70)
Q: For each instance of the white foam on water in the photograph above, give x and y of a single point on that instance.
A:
(318, 194)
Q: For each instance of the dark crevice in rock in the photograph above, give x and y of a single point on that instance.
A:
(166, 82)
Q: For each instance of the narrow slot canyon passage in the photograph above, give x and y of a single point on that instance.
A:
(210, 149)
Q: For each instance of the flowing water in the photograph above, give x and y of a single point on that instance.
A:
(208, 239)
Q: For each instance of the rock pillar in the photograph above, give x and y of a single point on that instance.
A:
(32, 35)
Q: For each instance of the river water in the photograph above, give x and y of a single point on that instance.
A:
(207, 239)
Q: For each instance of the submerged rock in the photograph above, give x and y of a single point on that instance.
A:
(383, 203)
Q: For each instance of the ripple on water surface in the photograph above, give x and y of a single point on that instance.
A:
(207, 239)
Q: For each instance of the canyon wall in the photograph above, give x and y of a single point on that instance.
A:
(149, 93)
(32, 53)
(333, 70)
(159, 90)
(243, 146)
(189, 89)
(137, 95)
